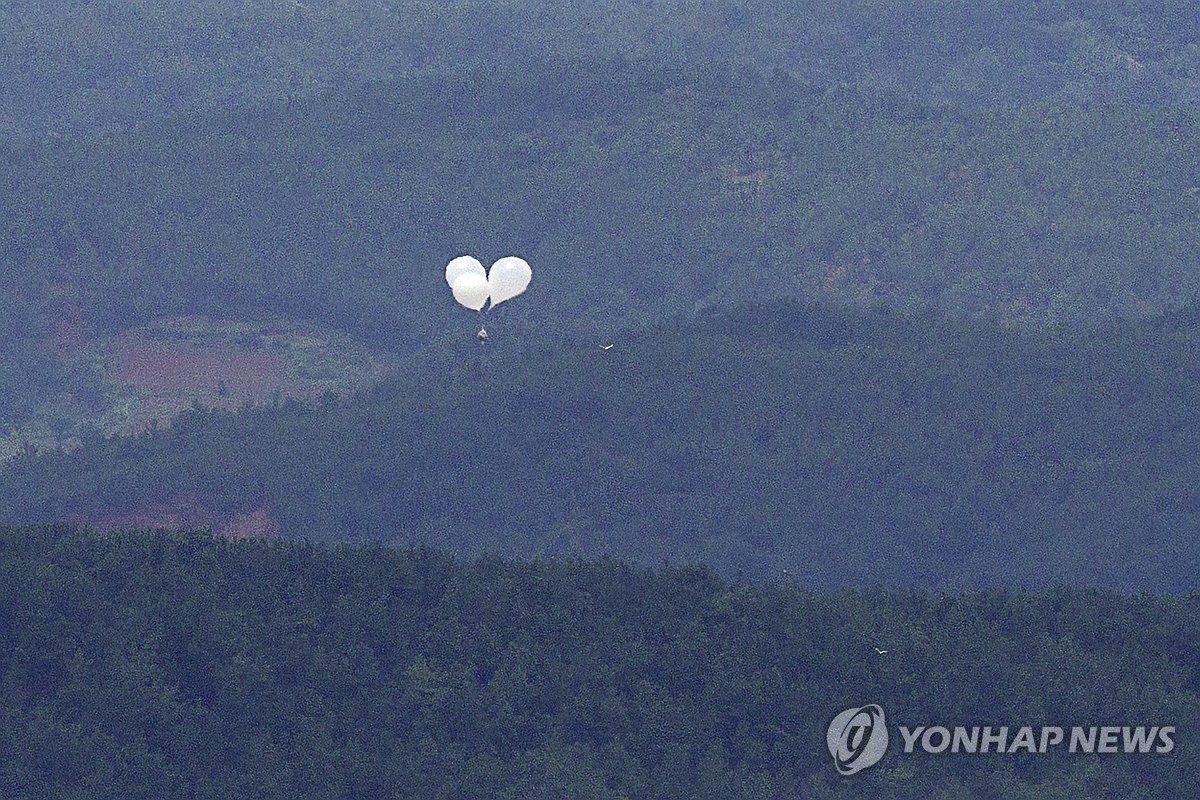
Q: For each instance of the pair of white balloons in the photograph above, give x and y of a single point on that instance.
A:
(473, 286)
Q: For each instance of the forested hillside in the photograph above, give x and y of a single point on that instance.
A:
(137, 666)
(638, 194)
(74, 65)
(841, 446)
(321, 161)
(860, 364)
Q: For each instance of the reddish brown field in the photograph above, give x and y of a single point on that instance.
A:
(162, 369)
(186, 511)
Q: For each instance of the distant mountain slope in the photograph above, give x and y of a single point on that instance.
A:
(636, 193)
(72, 66)
(842, 447)
(164, 666)
(638, 188)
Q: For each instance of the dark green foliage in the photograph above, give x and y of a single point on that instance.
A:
(843, 447)
(150, 666)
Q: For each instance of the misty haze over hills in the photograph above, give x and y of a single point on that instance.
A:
(859, 366)
(88, 65)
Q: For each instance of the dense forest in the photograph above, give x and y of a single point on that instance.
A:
(841, 446)
(139, 666)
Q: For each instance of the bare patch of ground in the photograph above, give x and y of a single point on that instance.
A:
(147, 375)
(188, 511)
(166, 368)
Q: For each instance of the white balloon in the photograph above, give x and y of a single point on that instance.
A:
(508, 277)
(462, 266)
(471, 290)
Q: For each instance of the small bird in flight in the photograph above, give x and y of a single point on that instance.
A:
(606, 347)
(880, 652)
